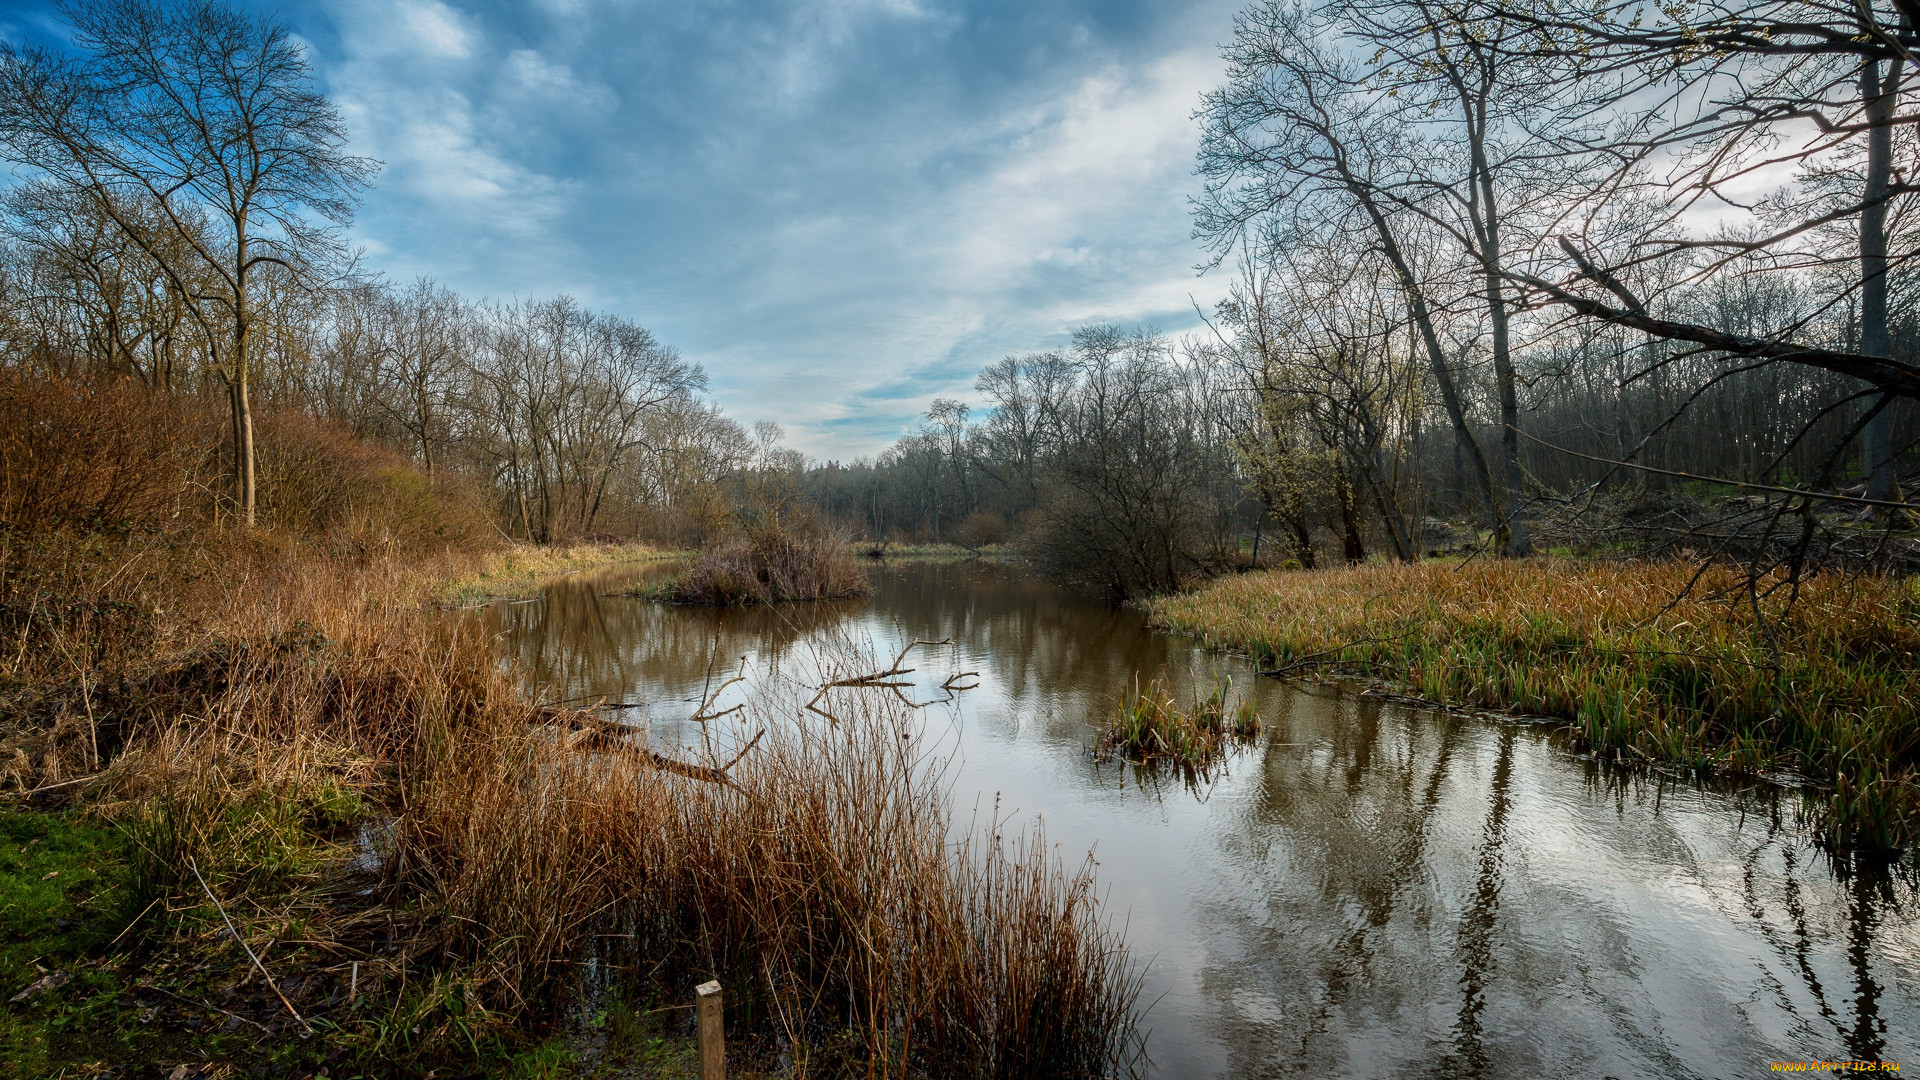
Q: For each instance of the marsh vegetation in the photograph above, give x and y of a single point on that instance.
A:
(1483, 420)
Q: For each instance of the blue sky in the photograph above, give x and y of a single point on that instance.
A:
(841, 209)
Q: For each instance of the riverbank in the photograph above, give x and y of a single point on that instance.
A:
(517, 571)
(269, 809)
(1724, 678)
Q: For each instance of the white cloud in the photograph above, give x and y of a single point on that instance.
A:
(408, 28)
(554, 84)
(406, 81)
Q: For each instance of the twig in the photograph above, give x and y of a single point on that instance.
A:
(210, 1007)
(53, 787)
(602, 735)
(275, 987)
(1802, 492)
(885, 680)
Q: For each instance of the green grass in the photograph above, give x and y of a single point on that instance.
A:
(1152, 728)
(62, 901)
(1640, 665)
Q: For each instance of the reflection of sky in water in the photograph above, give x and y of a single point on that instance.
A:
(1373, 890)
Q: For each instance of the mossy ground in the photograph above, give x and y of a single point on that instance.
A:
(117, 989)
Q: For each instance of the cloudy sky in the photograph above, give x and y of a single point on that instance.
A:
(842, 208)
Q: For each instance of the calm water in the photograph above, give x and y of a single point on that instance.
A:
(1373, 889)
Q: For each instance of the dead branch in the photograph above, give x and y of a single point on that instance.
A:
(275, 987)
(596, 734)
(885, 680)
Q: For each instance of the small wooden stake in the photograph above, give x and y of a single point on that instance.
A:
(713, 1053)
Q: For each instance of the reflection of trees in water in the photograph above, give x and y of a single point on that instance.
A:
(1474, 947)
(1059, 658)
(1849, 899)
(577, 644)
(1382, 918)
(1378, 914)
(1351, 812)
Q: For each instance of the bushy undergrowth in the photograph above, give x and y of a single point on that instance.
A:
(1152, 727)
(1711, 676)
(109, 454)
(772, 564)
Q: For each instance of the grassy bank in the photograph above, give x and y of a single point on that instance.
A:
(515, 571)
(251, 728)
(1716, 680)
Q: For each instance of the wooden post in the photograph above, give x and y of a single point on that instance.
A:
(713, 1054)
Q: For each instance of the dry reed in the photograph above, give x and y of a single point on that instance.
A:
(820, 883)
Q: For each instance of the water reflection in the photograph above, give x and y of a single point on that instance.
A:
(1372, 890)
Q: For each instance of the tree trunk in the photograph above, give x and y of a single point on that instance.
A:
(1436, 356)
(241, 399)
(1515, 526)
(1874, 340)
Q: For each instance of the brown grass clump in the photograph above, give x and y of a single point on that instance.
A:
(1152, 727)
(1717, 678)
(772, 564)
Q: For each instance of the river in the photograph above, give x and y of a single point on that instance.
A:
(1374, 888)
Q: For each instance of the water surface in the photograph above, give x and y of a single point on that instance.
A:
(1373, 889)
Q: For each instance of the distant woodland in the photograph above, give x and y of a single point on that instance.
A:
(1504, 277)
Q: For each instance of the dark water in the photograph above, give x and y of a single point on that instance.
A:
(1373, 889)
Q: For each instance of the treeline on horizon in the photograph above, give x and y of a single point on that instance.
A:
(1469, 279)
(1477, 277)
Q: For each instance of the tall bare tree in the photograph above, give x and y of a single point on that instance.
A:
(211, 116)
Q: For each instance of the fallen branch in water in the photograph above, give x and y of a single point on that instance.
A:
(596, 734)
(886, 680)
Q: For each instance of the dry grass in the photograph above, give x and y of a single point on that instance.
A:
(772, 564)
(1152, 727)
(1826, 688)
(303, 697)
(518, 570)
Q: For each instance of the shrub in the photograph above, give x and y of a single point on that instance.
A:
(103, 452)
(771, 564)
(981, 528)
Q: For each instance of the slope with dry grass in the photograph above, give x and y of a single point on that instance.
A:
(315, 805)
(1665, 661)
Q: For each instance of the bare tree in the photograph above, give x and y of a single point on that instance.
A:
(211, 117)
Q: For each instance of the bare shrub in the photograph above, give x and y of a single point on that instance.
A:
(112, 453)
(980, 529)
(98, 452)
(318, 481)
(773, 563)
